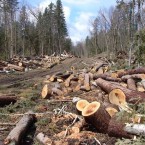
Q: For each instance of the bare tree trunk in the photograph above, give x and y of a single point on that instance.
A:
(11, 35)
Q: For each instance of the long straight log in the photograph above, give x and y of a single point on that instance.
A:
(7, 99)
(15, 67)
(133, 76)
(16, 135)
(132, 96)
(116, 129)
(132, 71)
(137, 129)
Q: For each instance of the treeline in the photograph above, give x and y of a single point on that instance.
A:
(121, 28)
(21, 36)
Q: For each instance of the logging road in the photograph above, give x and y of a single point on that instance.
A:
(7, 80)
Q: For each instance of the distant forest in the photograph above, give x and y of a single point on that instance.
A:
(119, 28)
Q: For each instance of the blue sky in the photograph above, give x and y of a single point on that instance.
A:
(78, 13)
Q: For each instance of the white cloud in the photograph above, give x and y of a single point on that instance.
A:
(81, 25)
(82, 2)
(78, 25)
(67, 12)
(45, 4)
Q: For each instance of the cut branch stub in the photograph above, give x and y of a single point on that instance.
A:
(46, 92)
(95, 114)
(80, 105)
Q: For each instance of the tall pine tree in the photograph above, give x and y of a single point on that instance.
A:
(61, 25)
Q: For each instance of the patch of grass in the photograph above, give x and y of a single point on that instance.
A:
(43, 122)
(137, 141)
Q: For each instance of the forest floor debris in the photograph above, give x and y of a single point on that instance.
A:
(57, 117)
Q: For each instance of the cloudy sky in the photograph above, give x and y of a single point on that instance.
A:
(78, 13)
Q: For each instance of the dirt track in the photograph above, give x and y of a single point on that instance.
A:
(11, 79)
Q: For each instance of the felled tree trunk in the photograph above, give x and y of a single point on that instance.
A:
(131, 95)
(136, 129)
(15, 67)
(134, 76)
(131, 84)
(7, 99)
(95, 114)
(16, 135)
(103, 76)
(116, 129)
(133, 71)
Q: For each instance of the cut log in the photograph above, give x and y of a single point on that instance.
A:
(136, 129)
(45, 140)
(117, 97)
(15, 67)
(68, 80)
(7, 99)
(143, 83)
(131, 95)
(80, 105)
(86, 86)
(46, 92)
(116, 129)
(113, 79)
(134, 76)
(103, 76)
(57, 91)
(131, 84)
(133, 71)
(100, 71)
(96, 68)
(95, 114)
(53, 78)
(16, 135)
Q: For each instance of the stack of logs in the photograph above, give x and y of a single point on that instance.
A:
(131, 82)
(26, 63)
(122, 87)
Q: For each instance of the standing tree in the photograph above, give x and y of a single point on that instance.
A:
(61, 25)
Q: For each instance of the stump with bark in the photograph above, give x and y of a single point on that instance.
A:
(95, 114)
